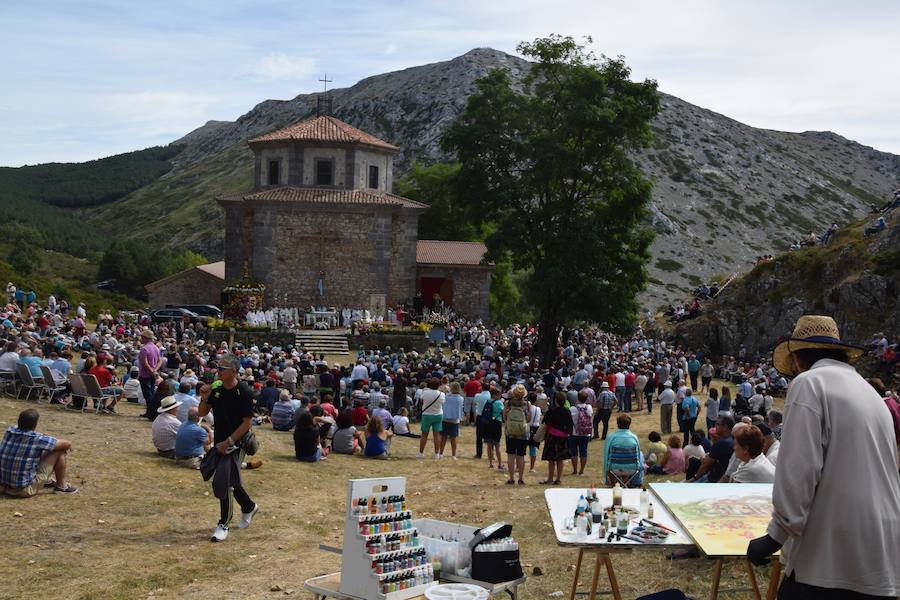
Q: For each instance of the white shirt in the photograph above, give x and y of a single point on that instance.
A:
(432, 402)
(289, 375)
(837, 488)
(772, 453)
(620, 379)
(755, 470)
(165, 428)
(401, 425)
(8, 361)
(359, 372)
(692, 451)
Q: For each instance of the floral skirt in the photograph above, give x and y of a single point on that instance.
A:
(555, 448)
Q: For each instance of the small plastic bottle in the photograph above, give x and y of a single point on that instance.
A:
(617, 495)
(645, 501)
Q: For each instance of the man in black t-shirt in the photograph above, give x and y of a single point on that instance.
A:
(231, 403)
(715, 463)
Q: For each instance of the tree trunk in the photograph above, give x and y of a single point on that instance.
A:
(548, 335)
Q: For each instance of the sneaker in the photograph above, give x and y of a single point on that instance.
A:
(454, 458)
(438, 456)
(65, 490)
(253, 464)
(247, 517)
(419, 455)
(220, 533)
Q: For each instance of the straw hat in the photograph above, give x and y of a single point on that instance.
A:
(519, 391)
(147, 334)
(811, 331)
(167, 404)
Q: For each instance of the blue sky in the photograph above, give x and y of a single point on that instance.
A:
(83, 80)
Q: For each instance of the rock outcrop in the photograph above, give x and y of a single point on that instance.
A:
(854, 279)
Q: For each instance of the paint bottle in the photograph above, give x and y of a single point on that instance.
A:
(582, 505)
(596, 512)
(650, 511)
(622, 523)
(581, 525)
(617, 495)
(645, 500)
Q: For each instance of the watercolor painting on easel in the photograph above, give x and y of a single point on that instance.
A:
(721, 518)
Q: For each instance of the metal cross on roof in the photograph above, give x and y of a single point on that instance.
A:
(325, 81)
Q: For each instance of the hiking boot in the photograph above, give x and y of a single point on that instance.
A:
(220, 533)
(247, 517)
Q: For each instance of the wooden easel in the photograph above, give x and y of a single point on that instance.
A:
(601, 557)
(773, 579)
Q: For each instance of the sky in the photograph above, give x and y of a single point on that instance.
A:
(87, 79)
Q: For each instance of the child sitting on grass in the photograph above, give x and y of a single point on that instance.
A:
(655, 450)
(401, 424)
(672, 462)
(377, 439)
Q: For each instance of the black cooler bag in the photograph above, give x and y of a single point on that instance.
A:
(494, 567)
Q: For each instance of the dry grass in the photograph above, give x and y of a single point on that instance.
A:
(139, 525)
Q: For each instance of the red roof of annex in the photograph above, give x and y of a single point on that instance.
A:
(324, 128)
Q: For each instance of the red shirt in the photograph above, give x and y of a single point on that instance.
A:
(360, 416)
(611, 380)
(472, 387)
(329, 410)
(104, 376)
(629, 379)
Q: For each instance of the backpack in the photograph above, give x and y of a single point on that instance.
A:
(517, 422)
(487, 413)
(583, 426)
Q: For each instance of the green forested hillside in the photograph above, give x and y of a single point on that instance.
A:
(38, 199)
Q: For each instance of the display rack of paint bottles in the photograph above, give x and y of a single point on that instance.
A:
(382, 556)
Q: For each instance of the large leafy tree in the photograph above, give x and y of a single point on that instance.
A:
(551, 168)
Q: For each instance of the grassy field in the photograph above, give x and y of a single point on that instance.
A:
(139, 526)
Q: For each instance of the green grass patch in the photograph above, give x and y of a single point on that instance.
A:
(669, 265)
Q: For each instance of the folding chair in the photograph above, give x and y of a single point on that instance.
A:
(96, 393)
(625, 466)
(51, 388)
(78, 391)
(8, 382)
(27, 382)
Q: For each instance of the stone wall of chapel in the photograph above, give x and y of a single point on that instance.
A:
(338, 155)
(382, 160)
(282, 154)
(353, 247)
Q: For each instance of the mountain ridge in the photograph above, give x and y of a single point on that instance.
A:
(724, 192)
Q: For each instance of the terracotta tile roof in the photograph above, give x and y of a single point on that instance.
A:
(438, 252)
(332, 196)
(324, 129)
(217, 269)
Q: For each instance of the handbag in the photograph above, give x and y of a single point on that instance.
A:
(540, 433)
(250, 443)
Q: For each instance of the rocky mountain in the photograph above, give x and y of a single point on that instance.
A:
(724, 192)
(855, 278)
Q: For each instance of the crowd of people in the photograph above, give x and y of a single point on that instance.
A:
(203, 401)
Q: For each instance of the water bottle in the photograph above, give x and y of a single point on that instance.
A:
(645, 501)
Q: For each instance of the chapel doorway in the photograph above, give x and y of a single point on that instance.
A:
(442, 286)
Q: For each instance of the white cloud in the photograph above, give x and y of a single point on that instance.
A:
(279, 65)
(159, 112)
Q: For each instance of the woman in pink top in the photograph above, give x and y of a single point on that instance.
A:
(673, 461)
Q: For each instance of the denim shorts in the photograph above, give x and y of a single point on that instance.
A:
(449, 429)
(578, 445)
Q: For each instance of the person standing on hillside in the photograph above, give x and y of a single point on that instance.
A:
(693, 368)
(666, 400)
(149, 363)
(836, 498)
(232, 407)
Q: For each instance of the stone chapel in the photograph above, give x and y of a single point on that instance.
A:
(322, 228)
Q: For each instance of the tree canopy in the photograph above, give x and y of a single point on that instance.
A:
(550, 167)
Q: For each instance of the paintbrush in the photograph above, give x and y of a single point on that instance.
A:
(649, 522)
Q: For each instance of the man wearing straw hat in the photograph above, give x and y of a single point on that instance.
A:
(836, 498)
